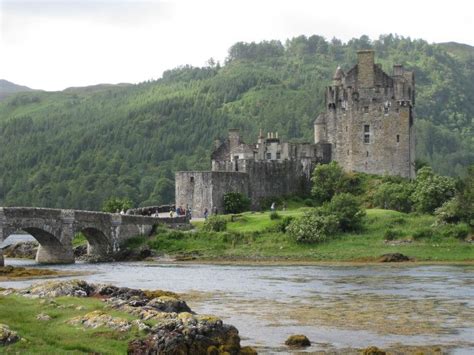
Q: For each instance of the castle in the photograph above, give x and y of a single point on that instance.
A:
(367, 126)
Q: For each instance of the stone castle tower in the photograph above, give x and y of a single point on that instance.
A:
(367, 127)
(369, 119)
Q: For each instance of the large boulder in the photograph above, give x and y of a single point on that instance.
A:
(7, 336)
(393, 258)
(77, 288)
(25, 250)
(168, 304)
(298, 341)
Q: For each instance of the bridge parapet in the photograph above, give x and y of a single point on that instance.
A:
(55, 229)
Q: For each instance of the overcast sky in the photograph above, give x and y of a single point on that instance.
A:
(56, 44)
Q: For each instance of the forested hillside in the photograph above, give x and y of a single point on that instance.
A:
(74, 149)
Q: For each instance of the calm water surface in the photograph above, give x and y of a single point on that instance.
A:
(335, 306)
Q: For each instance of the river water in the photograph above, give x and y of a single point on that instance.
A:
(336, 306)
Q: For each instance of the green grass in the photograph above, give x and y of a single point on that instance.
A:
(249, 236)
(56, 336)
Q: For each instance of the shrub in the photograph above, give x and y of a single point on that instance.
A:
(235, 202)
(282, 226)
(391, 234)
(348, 211)
(394, 196)
(315, 226)
(449, 212)
(458, 231)
(422, 233)
(274, 215)
(309, 202)
(215, 224)
(431, 190)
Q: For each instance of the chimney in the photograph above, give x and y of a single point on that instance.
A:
(365, 64)
(217, 143)
(398, 70)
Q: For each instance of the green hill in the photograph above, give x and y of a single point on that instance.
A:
(77, 147)
(8, 88)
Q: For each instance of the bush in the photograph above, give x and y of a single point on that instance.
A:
(235, 202)
(449, 212)
(431, 190)
(282, 226)
(274, 215)
(309, 202)
(422, 233)
(215, 224)
(394, 196)
(458, 231)
(391, 234)
(314, 227)
(348, 211)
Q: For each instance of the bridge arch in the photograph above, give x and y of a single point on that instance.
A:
(99, 246)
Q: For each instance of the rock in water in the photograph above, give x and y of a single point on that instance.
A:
(298, 341)
(373, 350)
(7, 336)
(26, 250)
(393, 258)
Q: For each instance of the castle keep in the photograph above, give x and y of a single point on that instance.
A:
(367, 126)
(369, 119)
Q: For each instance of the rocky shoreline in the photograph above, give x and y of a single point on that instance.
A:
(165, 323)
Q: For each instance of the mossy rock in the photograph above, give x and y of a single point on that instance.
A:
(298, 341)
(150, 294)
(248, 350)
(373, 350)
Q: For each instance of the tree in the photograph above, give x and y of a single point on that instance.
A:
(327, 181)
(235, 202)
(116, 204)
(394, 196)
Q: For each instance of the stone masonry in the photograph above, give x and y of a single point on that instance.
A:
(367, 126)
(55, 229)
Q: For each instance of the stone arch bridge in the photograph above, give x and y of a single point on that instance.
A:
(54, 229)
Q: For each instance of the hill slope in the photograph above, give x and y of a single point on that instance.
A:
(77, 147)
(8, 88)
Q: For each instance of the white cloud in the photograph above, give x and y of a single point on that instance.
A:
(56, 44)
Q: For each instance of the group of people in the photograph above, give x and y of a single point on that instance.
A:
(180, 211)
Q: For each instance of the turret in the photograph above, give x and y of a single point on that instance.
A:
(320, 129)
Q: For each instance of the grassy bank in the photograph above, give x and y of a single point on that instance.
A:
(56, 335)
(252, 236)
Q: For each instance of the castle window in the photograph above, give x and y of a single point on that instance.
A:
(269, 156)
(346, 128)
(278, 155)
(367, 154)
(385, 110)
(366, 109)
(366, 133)
(191, 179)
(398, 138)
(348, 152)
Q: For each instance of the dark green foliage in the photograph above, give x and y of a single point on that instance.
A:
(328, 180)
(215, 224)
(282, 226)
(117, 204)
(235, 202)
(423, 233)
(74, 149)
(274, 215)
(457, 231)
(314, 227)
(431, 190)
(391, 234)
(394, 196)
(348, 211)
